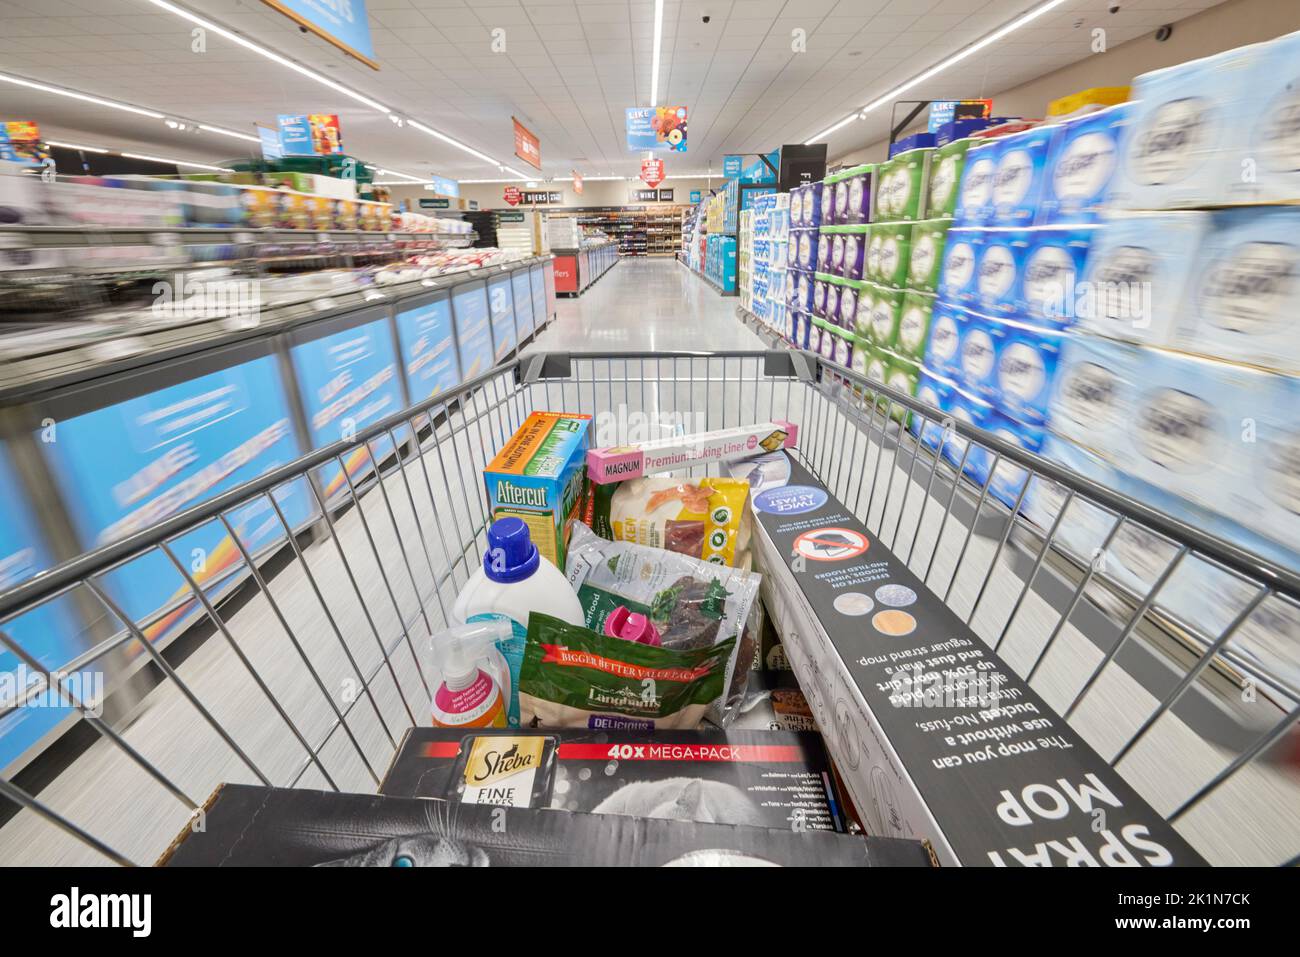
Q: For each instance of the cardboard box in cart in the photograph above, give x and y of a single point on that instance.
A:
(758, 778)
(934, 736)
(537, 477)
(252, 826)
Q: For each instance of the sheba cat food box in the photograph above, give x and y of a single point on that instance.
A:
(537, 477)
(760, 778)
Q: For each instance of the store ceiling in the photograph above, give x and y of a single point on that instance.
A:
(568, 71)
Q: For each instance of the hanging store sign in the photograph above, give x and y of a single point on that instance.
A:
(270, 140)
(652, 171)
(443, 186)
(310, 134)
(577, 182)
(527, 146)
(342, 23)
(943, 112)
(665, 195)
(543, 197)
(20, 142)
(695, 196)
(731, 166)
(645, 195)
(437, 203)
(661, 128)
(512, 195)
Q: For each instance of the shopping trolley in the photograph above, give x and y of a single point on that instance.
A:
(308, 672)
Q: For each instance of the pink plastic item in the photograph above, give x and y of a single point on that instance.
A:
(628, 625)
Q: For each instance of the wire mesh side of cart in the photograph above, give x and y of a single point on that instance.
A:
(308, 666)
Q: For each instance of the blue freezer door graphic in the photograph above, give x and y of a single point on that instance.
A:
(125, 467)
(523, 296)
(349, 380)
(502, 306)
(473, 330)
(538, 282)
(428, 346)
(49, 633)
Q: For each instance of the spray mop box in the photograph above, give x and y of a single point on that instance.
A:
(537, 477)
(253, 826)
(934, 736)
(759, 778)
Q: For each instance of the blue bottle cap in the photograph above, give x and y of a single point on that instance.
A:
(511, 555)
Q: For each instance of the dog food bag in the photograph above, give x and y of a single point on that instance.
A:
(705, 518)
(575, 678)
(693, 604)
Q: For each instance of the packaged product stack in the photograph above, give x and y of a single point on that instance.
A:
(801, 264)
(1023, 216)
(762, 259)
(745, 260)
(1179, 385)
(776, 208)
(888, 274)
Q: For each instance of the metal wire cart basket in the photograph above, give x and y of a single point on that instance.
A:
(1174, 654)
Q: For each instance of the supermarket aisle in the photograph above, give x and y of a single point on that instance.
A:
(649, 305)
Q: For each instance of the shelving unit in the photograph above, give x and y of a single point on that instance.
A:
(639, 230)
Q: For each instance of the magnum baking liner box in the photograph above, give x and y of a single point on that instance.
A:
(758, 778)
(245, 825)
(934, 736)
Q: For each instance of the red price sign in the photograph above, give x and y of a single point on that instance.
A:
(512, 195)
(652, 171)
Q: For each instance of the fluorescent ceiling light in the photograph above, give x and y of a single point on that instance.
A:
(514, 172)
(172, 162)
(658, 44)
(86, 97)
(829, 130)
(405, 176)
(263, 51)
(451, 141)
(224, 132)
(942, 65)
(74, 146)
(326, 81)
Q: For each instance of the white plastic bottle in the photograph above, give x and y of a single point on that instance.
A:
(513, 581)
(471, 680)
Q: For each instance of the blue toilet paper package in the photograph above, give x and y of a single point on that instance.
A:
(959, 282)
(1183, 144)
(1008, 478)
(943, 347)
(979, 339)
(975, 461)
(1241, 302)
(975, 195)
(1021, 176)
(1139, 269)
(999, 270)
(935, 391)
(1027, 359)
(1050, 291)
(1083, 160)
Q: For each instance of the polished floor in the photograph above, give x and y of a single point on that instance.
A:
(649, 305)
